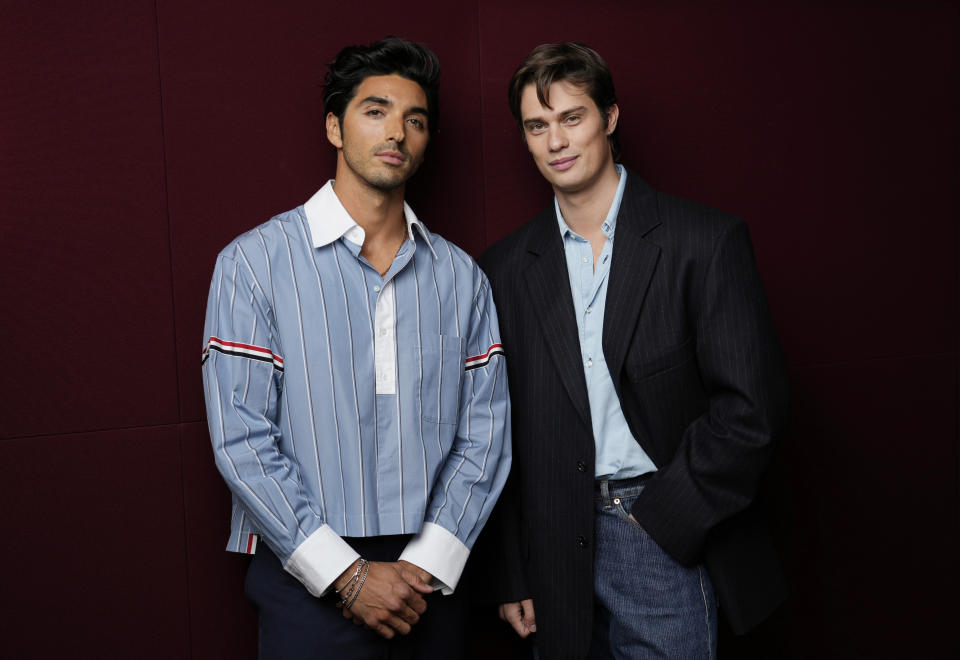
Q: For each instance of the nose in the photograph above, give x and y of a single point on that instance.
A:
(556, 139)
(396, 129)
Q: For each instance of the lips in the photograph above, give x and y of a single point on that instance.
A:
(392, 157)
(562, 164)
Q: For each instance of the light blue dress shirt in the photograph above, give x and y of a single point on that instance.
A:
(618, 454)
(343, 403)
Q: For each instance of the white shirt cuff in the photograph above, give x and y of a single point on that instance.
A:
(320, 560)
(440, 553)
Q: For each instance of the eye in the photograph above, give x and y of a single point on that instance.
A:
(374, 112)
(536, 127)
(417, 122)
(572, 119)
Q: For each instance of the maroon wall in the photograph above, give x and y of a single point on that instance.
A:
(138, 137)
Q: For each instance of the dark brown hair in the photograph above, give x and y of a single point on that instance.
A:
(577, 64)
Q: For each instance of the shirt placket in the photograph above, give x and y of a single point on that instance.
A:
(389, 453)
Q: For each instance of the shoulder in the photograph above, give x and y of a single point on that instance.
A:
(693, 232)
(506, 247)
(280, 229)
(453, 258)
(671, 213)
(505, 257)
(685, 215)
(677, 225)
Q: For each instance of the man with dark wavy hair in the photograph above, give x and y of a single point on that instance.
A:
(356, 390)
(648, 389)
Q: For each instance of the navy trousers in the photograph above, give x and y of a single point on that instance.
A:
(295, 625)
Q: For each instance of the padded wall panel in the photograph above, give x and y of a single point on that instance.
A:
(829, 129)
(244, 126)
(222, 622)
(85, 268)
(93, 553)
(870, 528)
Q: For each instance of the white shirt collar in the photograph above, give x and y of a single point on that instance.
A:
(328, 220)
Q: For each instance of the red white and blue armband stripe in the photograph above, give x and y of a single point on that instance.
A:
(483, 360)
(242, 350)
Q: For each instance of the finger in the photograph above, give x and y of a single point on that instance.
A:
(419, 584)
(414, 601)
(384, 631)
(399, 625)
(408, 615)
(513, 616)
(529, 618)
(418, 579)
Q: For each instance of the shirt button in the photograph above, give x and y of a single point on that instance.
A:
(589, 309)
(581, 542)
(590, 362)
(376, 288)
(581, 466)
(585, 260)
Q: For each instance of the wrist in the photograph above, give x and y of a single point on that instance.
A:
(347, 576)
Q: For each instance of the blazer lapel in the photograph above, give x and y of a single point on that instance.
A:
(633, 265)
(548, 285)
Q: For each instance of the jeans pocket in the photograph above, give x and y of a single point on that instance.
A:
(623, 505)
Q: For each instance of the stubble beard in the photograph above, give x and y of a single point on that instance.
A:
(378, 175)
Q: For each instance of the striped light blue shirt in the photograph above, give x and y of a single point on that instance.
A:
(343, 403)
(619, 455)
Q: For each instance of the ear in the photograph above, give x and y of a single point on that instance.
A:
(333, 131)
(613, 114)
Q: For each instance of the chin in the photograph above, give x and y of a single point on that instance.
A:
(388, 182)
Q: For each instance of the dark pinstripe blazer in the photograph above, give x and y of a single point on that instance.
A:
(694, 357)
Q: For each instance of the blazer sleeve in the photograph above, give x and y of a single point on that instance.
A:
(499, 572)
(722, 454)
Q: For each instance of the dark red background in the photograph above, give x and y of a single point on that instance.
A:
(139, 137)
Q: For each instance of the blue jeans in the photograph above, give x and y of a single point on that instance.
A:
(646, 605)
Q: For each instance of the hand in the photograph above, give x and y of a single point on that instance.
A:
(520, 616)
(387, 604)
(416, 577)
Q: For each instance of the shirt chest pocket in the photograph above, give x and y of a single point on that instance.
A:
(441, 360)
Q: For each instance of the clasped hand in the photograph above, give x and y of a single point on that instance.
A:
(391, 600)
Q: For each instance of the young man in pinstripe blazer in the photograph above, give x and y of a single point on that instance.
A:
(356, 390)
(647, 387)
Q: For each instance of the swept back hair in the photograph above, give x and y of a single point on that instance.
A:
(392, 55)
(573, 62)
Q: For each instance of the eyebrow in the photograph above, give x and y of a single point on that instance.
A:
(380, 100)
(563, 114)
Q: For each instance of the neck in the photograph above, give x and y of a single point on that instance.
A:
(378, 212)
(585, 209)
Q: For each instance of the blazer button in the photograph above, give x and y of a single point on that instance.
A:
(581, 466)
(581, 542)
